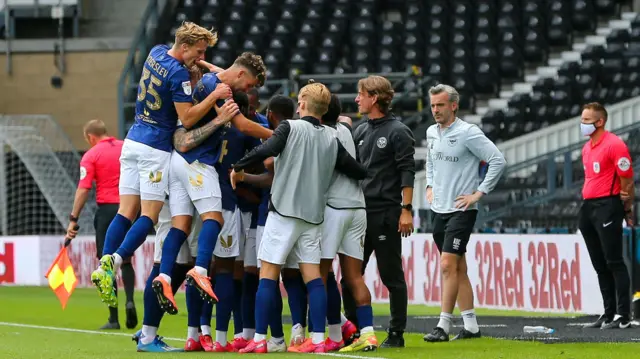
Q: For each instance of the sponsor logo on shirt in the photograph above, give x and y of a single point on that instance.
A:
(440, 156)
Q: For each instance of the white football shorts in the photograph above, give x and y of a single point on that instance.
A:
(289, 240)
(343, 231)
(144, 171)
(189, 249)
(229, 243)
(193, 185)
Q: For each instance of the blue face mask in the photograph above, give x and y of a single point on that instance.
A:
(587, 128)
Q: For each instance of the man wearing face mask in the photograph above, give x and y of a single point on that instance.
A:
(608, 194)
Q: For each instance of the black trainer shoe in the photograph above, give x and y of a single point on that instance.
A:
(437, 335)
(618, 323)
(394, 340)
(599, 323)
(111, 325)
(132, 316)
(465, 334)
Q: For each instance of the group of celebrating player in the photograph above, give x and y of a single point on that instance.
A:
(272, 198)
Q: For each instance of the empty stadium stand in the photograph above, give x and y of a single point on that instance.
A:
(477, 46)
(519, 65)
(606, 72)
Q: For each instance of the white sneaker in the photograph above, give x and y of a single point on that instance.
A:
(276, 346)
(297, 335)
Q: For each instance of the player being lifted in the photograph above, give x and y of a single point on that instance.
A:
(164, 95)
(247, 71)
(190, 39)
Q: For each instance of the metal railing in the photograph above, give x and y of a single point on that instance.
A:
(569, 186)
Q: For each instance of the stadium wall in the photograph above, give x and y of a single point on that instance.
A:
(88, 91)
(541, 273)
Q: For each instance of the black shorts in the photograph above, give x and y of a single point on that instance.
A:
(451, 231)
(101, 221)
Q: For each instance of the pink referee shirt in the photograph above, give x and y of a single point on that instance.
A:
(604, 162)
(102, 164)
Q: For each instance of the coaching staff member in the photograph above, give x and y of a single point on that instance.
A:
(385, 147)
(456, 148)
(101, 163)
(608, 194)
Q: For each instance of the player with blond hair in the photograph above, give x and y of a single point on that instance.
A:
(164, 96)
(194, 179)
(309, 153)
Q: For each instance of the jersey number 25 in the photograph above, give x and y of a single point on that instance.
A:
(144, 89)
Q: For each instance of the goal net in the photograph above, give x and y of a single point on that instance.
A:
(39, 171)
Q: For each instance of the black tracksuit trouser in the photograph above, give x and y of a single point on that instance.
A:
(383, 238)
(600, 223)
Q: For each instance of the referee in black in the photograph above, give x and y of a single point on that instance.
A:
(386, 148)
(101, 164)
(608, 195)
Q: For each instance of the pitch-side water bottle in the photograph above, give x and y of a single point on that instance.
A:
(538, 330)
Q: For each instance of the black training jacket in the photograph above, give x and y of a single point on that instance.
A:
(385, 148)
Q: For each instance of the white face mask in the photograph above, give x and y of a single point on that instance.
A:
(587, 128)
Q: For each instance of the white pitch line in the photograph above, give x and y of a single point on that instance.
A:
(485, 326)
(84, 331)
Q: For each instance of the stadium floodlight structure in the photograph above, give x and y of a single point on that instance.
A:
(39, 171)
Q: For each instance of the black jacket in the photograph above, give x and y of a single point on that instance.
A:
(385, 148)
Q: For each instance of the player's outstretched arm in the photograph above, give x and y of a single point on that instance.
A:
(270, 148)
(263, 180)
(250, 128)
(209, 66)
(348, 165)
(184, 140)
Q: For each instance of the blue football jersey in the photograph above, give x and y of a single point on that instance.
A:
(231, 151)
(250, 143)
(263, 209)
(209, 151)
(164, 81)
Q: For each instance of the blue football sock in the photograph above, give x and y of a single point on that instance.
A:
(304, 305)
(317, 304)
(296, 296)
(171, 249)
(136, 236)
(275, 322)
(207, 242)
(178, 276)
(224, 291)
(264, 303)
(115, 234)
(194, 306)
(365, 316)
(249, 289)
(152, 311)
(237, 306)
(334, 300)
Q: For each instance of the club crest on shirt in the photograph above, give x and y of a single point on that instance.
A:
(596, 167)
(382, 142)
(186, 87)
(624, 164)
(452, 142)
